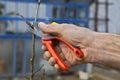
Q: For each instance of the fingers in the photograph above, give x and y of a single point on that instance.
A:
(43, 48)
(46, 55)
(52, 61)
(54, 29)
(57, 67)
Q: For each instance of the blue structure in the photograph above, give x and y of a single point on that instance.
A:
(24, 37)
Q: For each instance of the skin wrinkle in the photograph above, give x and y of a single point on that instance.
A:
(57, 31)
(68, 63)
(62, 56)
(62, 49)
(65, 51)
(105, 51)
(90, 57)
(73, 58)
(114, 48)
(78, 40)
(59, 51)
(69, 56)
(61, 29)
(114, 59)
(108, 52)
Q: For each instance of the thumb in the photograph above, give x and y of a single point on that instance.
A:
(54, 29)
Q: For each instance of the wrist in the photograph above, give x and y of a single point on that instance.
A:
(89, 50)
(98, 49)
(94, 50)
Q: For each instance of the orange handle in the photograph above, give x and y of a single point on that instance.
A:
(52, 51)
(47, 41)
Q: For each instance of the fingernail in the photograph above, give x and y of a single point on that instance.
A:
(42, 24)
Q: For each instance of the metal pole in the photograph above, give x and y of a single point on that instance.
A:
(106, 16)
(96, 16)
(33, 45)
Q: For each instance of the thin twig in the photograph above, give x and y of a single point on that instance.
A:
(36, 14)
(38, 70)
(43, 75)
(33, 45)
(33, 41)
(32, 73)
(32, 58)
(33, 48)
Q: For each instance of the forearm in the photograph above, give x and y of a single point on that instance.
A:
(106, 50)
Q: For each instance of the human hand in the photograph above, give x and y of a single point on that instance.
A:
(76, 36)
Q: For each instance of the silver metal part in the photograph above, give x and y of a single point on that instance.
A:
(36, 32)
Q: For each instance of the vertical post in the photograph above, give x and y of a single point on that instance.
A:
(33, 44)
(25, 47)
(67, 15)
(16, 24)
(15, 44)
(96, 16)
(58, 11)
(5, 11)
(14, 56)
(77, 12)
(86, 14)
(24, 57)
(27, 11)
(106, 15)
(48, 12)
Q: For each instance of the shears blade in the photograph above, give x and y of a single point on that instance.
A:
(36, 32)
(32, 28)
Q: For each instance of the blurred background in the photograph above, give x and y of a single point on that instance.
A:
(15, 39)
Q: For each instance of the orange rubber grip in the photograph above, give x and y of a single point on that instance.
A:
(47, 41)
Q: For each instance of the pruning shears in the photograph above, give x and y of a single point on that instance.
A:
(48, 41)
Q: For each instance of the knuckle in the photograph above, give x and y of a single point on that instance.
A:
(52, 61)
(46, 55)
(56, 67)
(46, 58)
(43, 47)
